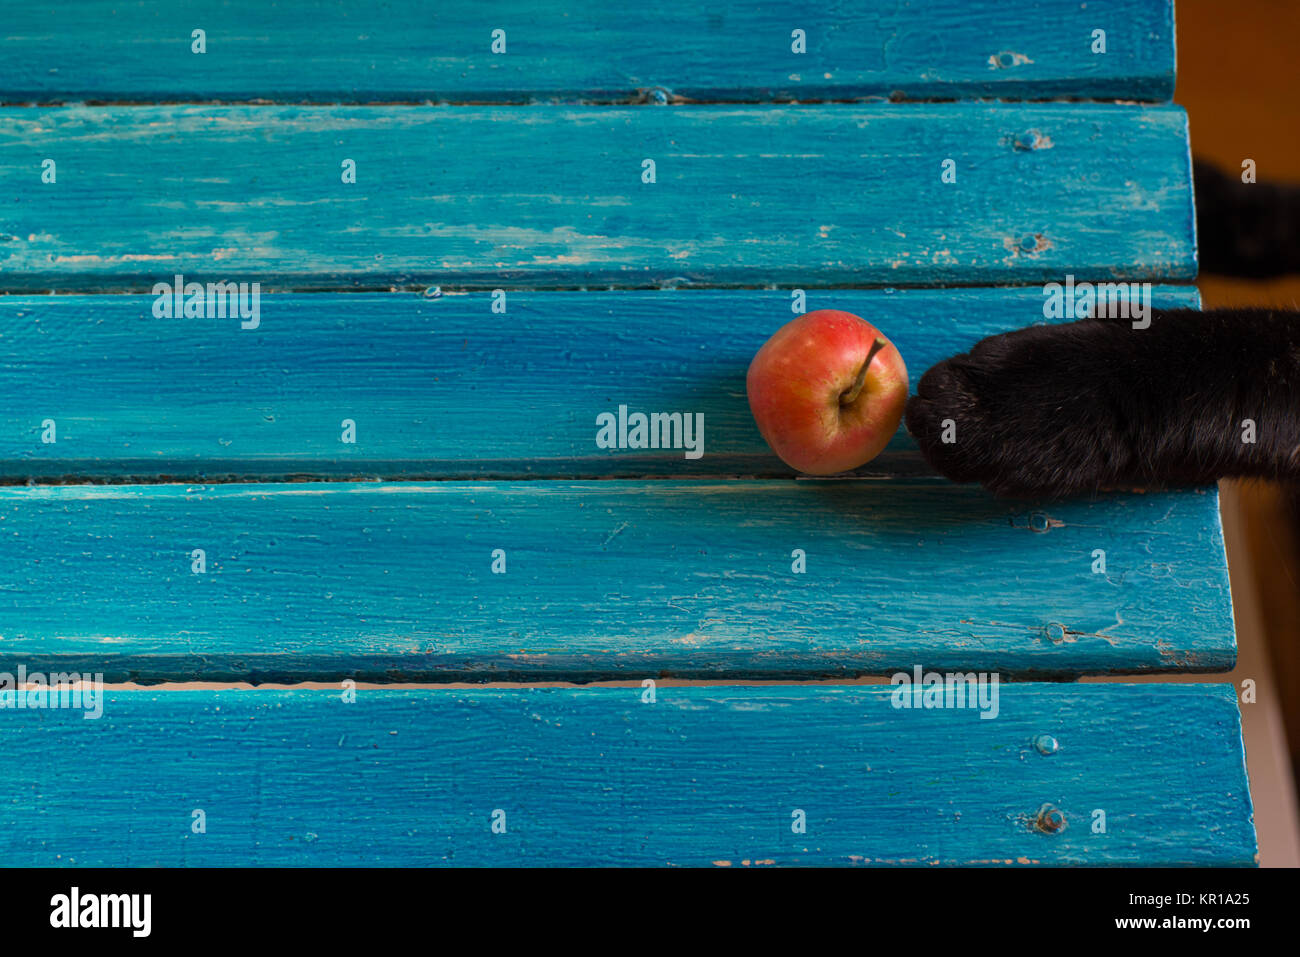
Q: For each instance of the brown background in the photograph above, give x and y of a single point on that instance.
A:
(1238, 64)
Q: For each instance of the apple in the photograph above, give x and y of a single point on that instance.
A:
(827, 391)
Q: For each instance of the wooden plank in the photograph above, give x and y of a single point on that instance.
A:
(553, 196)
(437, 387)
(613, 579)
(405, 50)
(701, 777)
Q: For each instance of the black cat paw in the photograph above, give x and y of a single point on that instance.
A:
(1028, 414)
(1058, 410)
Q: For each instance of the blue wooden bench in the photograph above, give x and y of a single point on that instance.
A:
(474, 233)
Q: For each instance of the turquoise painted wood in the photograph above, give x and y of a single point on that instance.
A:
(437, 387)
(554, 196)
(529, 186)
(702, 777)
(608, 579)
(407, 50)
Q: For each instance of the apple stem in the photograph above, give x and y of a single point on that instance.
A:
(850, 395)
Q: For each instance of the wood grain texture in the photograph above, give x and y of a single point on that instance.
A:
(553, 196)
(701, 777)
(437, 387)
(405, 50)
(611, 579)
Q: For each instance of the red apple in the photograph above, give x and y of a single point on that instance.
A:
(827, 392)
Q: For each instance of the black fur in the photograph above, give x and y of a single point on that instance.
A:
(1058, 410)
(1251, 230)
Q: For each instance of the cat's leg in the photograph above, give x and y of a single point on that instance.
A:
(1245, 229)
(1058, 410)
